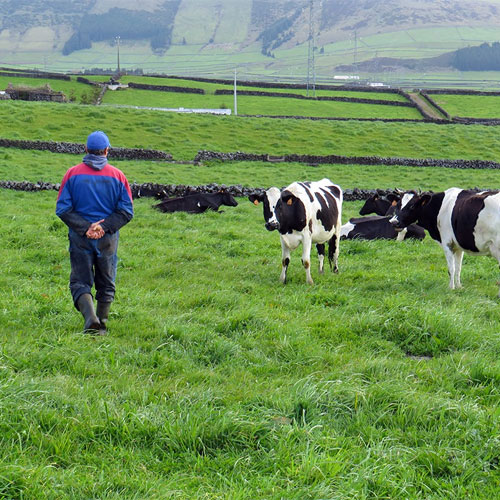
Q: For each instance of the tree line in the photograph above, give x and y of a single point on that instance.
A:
(128, 25)
(484, 57)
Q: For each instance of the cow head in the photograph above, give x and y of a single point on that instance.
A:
(380, 204)
(228, 198)
(269, 199)
(290, 213)
(408, 209)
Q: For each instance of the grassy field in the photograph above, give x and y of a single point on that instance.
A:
(259, 105)
(37, 166)
(216, 381)
(469, 106)
(184, 135)
(72, 89)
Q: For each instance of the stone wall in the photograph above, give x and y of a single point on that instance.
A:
(45, 76)
(166, 88)
(76, 148)
(347, 160)
(175, 190)
(319, 98)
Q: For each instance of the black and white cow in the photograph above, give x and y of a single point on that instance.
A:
(375, 227)
(197, 203)
(459, 220)
(307, 213)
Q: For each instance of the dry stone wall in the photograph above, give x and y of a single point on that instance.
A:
(174, 190)
(76, 148)
(166, 88)
(319, 98)
(347, 160)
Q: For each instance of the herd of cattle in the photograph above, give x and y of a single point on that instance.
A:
(310, 212)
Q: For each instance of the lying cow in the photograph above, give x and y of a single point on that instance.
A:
(307, 213)
(459, 220)
(379, 204)
(197, 203)
(377, 227)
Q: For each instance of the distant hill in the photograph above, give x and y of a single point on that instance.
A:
(269, 33)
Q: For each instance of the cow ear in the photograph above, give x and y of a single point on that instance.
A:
(424, 199)
(255, 198)
(393, 198)
(289, 201)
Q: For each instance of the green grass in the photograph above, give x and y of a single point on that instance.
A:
(72, 89)
(184, 135)
(218, 382)
(259, 105)
(37, 166)
(210, 88)
(469, 105)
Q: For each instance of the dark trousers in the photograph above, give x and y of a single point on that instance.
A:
(93, 262)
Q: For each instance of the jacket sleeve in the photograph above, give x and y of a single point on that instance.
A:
(115, 221)
(75, 222)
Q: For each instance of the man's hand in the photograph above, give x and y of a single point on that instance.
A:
(95, 231)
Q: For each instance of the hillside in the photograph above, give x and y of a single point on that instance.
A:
(258, 35)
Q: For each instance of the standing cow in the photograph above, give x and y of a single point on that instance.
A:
(307, 213)
(459, 220)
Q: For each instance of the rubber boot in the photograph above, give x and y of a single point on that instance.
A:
(86, 307)
(102, 315)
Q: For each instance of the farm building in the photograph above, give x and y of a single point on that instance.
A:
(44, 93)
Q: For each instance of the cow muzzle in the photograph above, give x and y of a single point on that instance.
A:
(395, 223)
(272, 226)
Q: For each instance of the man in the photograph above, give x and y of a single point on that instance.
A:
(94, 201)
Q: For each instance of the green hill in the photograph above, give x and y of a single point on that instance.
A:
(254, 36)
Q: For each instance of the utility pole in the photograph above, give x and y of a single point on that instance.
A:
(311, 71)
(235, 98)
(355, 51)
(118, 54)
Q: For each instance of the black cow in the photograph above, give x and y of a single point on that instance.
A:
(197, 203)
(376, 227)
(459, 220)
(380, 204)
(307, 213)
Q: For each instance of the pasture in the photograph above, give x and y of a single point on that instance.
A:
(470, 106)
(217, 382)
(185, 136)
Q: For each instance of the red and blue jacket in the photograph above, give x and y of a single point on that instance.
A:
(88, 195)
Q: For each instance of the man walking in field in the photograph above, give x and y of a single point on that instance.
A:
(94, 201)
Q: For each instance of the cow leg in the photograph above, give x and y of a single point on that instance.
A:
(333, 251)
(401, 234)
(306, 258)
(459, 255)
(321, 256)
(450, 260)
(285, 260)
